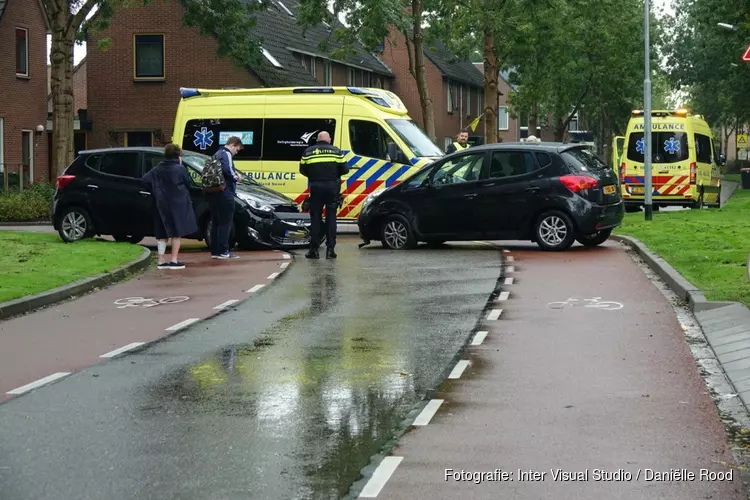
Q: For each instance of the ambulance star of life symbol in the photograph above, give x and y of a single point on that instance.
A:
(203, 138)
(671, 145)
(640, 146)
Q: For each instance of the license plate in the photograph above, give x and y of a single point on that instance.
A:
(638, 190)
(609, 190)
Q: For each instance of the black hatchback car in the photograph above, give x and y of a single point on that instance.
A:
(549, 193)
(101, 193)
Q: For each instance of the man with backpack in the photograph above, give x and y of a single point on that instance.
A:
(220, 185)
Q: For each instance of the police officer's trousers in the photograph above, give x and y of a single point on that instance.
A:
(323, 194)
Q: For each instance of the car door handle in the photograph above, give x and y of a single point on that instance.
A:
(145, 192)
(92, 186)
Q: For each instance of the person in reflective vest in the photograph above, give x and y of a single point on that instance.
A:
(462, 142)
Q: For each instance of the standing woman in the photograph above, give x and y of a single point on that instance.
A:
(174, 216)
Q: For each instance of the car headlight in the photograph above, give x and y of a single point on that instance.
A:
(371, 197)
(254, 203)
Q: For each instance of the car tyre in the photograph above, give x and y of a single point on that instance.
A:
(396, 233)
(554, 231)
(594, 239)
(75, 225)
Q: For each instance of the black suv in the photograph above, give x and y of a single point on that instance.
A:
(101, 193)
(549, 193)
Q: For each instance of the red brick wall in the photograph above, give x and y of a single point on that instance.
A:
(79, 87)
(396, 57)
(23, 101)
(117, 103)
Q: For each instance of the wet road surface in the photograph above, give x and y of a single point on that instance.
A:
(576, 388)
(288, 396)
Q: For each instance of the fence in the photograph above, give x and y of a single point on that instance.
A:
(11, 180)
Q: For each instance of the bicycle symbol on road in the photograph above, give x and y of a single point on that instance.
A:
(147, 302)
(594, 302)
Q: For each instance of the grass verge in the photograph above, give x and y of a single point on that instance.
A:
(733, 177)
(31, 263)
(708, 247)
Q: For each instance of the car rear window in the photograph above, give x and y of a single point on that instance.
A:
(583, 160)
(666, 147)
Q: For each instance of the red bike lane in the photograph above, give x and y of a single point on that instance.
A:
(50, 343)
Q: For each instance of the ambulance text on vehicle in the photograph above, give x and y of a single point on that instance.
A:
(371, 126)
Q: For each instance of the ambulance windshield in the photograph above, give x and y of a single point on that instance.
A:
(412, 135)
(666, 147)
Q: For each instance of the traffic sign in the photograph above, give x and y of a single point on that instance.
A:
(741, 141)
(746, 56)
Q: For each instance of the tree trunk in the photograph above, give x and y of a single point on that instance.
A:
(61, 60)
(533, 120)
(491, 98)
(559, 129)
(416, 56)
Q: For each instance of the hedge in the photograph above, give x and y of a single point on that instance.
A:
(28, 205)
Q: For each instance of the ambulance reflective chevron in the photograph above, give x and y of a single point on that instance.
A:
(382, 144)
(685, 167)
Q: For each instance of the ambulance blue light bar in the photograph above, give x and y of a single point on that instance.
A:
(185, 93)
(314, 90)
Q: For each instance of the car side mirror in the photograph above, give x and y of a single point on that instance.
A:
(722, 160)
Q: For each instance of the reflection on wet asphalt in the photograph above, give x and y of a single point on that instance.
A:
(288, 396)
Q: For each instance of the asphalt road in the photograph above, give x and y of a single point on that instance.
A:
(287, 396)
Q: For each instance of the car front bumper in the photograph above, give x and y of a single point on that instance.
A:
(282, 230)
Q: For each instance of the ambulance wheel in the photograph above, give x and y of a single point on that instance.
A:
(631, 209)
(698, 204)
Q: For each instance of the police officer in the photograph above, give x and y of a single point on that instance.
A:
(461, 143)
(323, 164)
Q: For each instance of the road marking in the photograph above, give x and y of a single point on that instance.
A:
(382, 474)
(458, 370)
(272, 276)
(255, 288)
(284, 265)
(287, 256)
(429, 411)
(112, 354)
(510, 258)
(494, 314)
(508, 281)
(226, 304)
(182, 324)
(479, 338)
(510, 269)
(39, 383)
(503, 296)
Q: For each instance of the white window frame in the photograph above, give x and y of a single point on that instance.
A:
(480, 104)
(30, 134)
(25, 75)
(450, 102)
(286, 9)
(327, 73)
(351, 77)
(270, 58)
(313, 68)
(507, 118)
(468, 101)
(2, 144)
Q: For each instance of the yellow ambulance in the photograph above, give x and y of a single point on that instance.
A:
(684, 164)
(371, 126)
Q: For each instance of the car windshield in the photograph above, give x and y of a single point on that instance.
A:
(412, 135)
(196, 161)
(583, 160)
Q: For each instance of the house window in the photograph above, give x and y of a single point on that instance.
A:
(327, 73)
(313, 69)
(480, 104)
(22, 52)
(352, 79)
(149, 56)
(502, 118)
(138, 139)
(451, 102)
(468, 101)
(271, 59)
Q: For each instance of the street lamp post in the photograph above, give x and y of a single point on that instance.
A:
(648, 189)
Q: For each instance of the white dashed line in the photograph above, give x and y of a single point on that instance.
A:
(39, 383)
(479, 338)
(458, 370)
(226, 304)
(284, 265)
(494, 314)
(503, 296)
(429, 411)
(508, 281)
(287, 256)
(510, 269)
(382, 474)
(510, 258)
(272, 276)
(181, 325)
(112, 354)
(255, 288)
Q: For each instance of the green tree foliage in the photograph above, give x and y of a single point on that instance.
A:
(230, 21)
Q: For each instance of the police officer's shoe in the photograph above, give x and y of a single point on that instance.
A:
(312, 254)
(330, 254)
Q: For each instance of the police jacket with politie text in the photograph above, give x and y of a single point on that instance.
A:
(323, 162)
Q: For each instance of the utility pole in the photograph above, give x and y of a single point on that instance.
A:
(648, 189)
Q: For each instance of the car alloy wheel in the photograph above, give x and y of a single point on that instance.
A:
(396, 234)
(74, 226)
(553, 230)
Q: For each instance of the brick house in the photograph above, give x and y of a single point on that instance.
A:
(455, 85)
(23, 85)
(134, 104)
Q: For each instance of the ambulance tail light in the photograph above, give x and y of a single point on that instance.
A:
(692, 173)
(578, 183)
